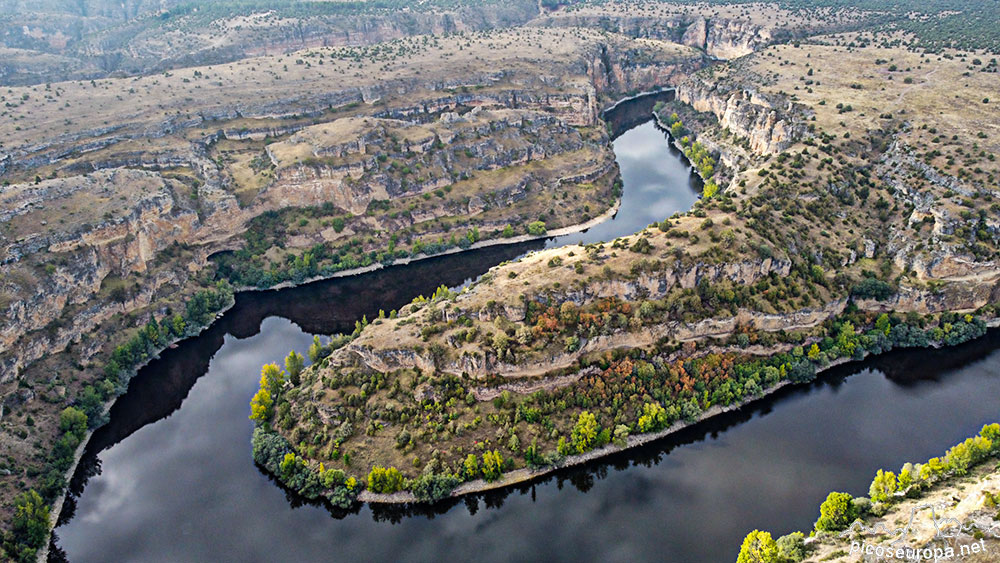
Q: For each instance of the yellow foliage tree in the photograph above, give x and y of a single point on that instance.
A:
(813, 353)
(262, 403)
(758, 547)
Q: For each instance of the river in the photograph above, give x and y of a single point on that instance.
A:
(170, 478)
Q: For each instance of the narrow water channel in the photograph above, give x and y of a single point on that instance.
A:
(171, 477)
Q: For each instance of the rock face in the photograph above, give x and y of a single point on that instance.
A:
(57, 308)
(721, 38)
(696, 34)
(650, 286)
(769, 123)
(599, 69)
(97, 38)
(312, 167)
(128, 209)
(730, 39)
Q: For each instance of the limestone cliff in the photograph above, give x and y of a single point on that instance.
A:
(132, 204)
(721, 38)
(768, 122)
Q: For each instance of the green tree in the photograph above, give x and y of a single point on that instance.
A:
(493, 464)
(317, 351)
(847, 340)
(882, 324)
(294, 362)
(178, 325)
(883, 486)
(73, 421)
(536, 228)
(836, 512)
(758, 547)
(385, 480)
(29, 527)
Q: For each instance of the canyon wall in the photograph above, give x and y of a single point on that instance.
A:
(521, 121)
(721, 38)
(768, 122)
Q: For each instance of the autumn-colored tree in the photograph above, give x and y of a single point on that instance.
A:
(814, 352)
(905, 476)
(933, 468)
(653, 418)
(260, 405)
(385, 480)
(29, 527)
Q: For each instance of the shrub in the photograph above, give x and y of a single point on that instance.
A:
(791, 547)
(402, 439)
(642, 246)
(758, 547)
(431, 487)
(836, 512)
(871, 288)
(493, 465)
(385, 480)
(536, 228)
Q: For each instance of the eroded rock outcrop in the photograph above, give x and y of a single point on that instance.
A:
(722, 38)
(768, 122)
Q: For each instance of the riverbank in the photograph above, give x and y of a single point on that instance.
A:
(528, 474)
(57, 505)
(676, 143)
(610, 212)
(571, 229)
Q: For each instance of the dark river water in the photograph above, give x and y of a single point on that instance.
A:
(170, 478)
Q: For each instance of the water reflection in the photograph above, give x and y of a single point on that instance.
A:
(658, 182)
